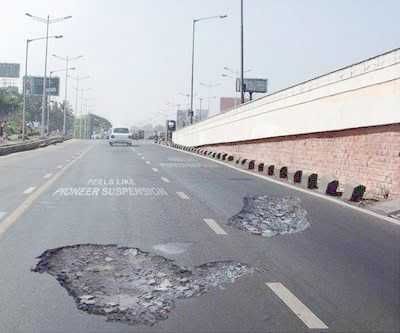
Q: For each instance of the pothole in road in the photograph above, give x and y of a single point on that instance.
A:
(129, 285)
(269, 216)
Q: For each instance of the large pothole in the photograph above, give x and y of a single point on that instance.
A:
(129, 285)
(269, 216)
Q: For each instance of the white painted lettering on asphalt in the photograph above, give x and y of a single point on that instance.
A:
(165, 180)
(109, 191)
(215, 227)
(154, 169)
(47, 175)
(182, 195)
(294, 304)
(29, 190)
(111, 181)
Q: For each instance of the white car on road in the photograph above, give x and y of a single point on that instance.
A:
(120, 135)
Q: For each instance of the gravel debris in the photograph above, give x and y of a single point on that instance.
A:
(269, 216)
(135, 287)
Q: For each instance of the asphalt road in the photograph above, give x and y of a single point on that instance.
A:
(340, 275)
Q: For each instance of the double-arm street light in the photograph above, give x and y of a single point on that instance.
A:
(48, 112)
(47, 21)
(209, 87)
(67, 60)
(193, 39)
(25, 80)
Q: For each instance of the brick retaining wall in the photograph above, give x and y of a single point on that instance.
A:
(369, 156)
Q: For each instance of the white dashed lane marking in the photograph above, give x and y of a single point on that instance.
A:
(182, 195)
(294, 304)
(154, 169)
(215, 227)
(48, 175)
(148, 162)
(59, 166)
(29, 190)
(165, 180)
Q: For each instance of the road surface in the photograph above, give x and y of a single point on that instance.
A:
(339, 275)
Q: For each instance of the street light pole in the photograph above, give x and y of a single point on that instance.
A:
(241, 54)
(24, 80)
(47, 21)
(67, 59)
(193, 40)
(44, 99)
(24, 88)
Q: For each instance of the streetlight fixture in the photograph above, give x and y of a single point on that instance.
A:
(48, 112)
(26, 77)
(67, 59)
(209, 87)
(241, 54)
(47, 21)
(193, 38)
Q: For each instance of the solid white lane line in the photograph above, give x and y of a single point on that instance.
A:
(182, 195)
(215, 227)
(294, 187)
(29, 190)
(59, 166)
(2, 214)
(48, 175)
(294, 304)
(154, 169)
(165, 180)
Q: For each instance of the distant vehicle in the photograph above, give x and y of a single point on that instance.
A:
(120, 135)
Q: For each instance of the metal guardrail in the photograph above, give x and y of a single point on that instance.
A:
(23, 146)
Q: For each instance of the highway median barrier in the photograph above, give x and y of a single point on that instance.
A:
(30, 145)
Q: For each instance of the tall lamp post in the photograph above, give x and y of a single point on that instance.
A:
(193, 39)
(47, 21)
(26, 78)
(78, 79)
(209, 87)
(241, 54)
(48, 112)
(67, 60)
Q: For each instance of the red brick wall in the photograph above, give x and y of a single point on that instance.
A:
(368, 156)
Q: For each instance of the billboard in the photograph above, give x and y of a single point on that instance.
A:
(9, 70)
(253, 85)
(34, 85)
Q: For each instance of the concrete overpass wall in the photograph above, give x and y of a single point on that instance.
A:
(336, 110)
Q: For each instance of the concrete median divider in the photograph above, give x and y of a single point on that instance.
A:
(29, 145)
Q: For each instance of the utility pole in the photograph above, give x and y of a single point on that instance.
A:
(242, 85)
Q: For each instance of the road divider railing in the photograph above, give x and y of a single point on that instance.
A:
(326, 184)
(29, 145)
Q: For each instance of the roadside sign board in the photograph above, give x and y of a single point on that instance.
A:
(253, 85)
(171, 125)
(34, 85)
(9, 70)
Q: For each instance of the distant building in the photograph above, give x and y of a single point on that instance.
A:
(182, 118)
(229, 103)
(200, 115)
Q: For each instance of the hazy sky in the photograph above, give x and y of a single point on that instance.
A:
(138, 52)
